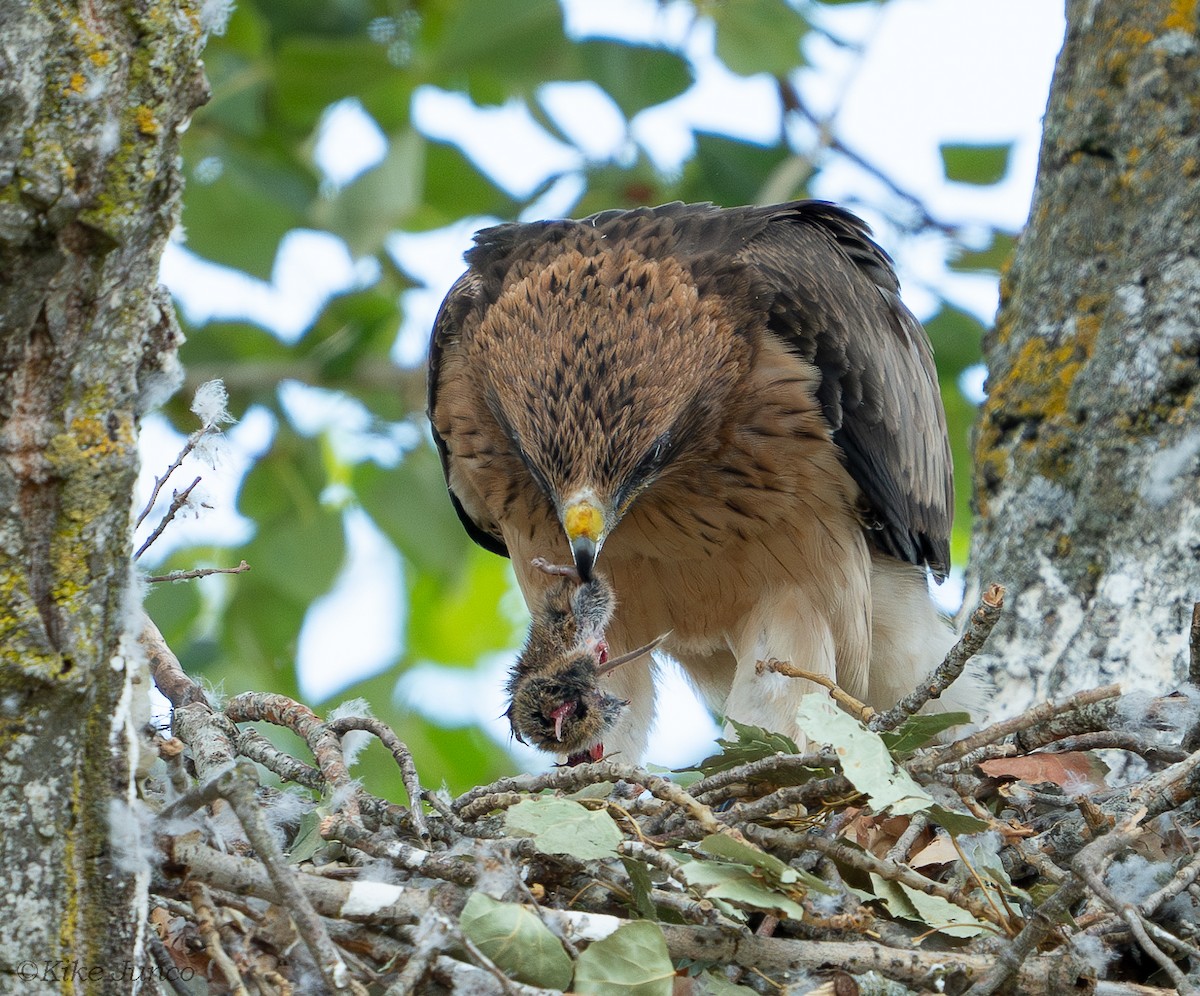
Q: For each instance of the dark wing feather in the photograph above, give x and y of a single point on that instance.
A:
(838, 306)
(461, 304)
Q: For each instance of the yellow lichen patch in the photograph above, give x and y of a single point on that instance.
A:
(77, 83)
(147, 123)
(97, 439)
(1182, 16)
(100, 58)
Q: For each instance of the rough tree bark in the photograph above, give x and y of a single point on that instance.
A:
(92, 99)
(1088, 446)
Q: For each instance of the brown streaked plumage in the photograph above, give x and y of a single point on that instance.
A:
(734, 412)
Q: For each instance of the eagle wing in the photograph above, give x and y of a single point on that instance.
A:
(837, 305)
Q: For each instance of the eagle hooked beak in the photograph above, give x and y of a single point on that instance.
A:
(585, 523)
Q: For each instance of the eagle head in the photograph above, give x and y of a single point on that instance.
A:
(608, 372)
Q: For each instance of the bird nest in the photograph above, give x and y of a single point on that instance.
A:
(885, 862)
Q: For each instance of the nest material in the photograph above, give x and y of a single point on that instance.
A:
(1002, 861)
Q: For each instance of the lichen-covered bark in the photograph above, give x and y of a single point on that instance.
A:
(92, 97)
(1088, 447)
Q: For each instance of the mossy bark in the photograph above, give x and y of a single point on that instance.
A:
(92, 99)
(1088, 447)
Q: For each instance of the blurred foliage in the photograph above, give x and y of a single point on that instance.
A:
(252, 177)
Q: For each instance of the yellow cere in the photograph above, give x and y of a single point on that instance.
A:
(583, 519)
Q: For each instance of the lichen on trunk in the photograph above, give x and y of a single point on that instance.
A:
(1088, 447)
(92, 98)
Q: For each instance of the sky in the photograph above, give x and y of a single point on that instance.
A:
(934, 71)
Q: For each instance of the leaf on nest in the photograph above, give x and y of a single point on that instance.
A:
(560, 826)
(639, 878)
(1075, 772)
(516, 939)
(777, 872)
(714, 984)
(633, 959)
(956, 823)
(864, 756)
(917, 731)
(739, 885)
(933, 911)
(308, 838)
(753, 744)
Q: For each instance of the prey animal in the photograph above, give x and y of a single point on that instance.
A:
(556, 700)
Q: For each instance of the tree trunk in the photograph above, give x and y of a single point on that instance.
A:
(92, 99)
(1088, 445)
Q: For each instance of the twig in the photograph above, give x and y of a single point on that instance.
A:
(199, 572)
(206, 921)
(325, 745)
(865, 861)
(159, 482)
(255, 747)
(1118, 740)
(237, 786)
(588, 774)
(177, 502)
(792, 101)
(979, 628)
(165, 668)
(1191, 739)
(930, 761)
(402, 756)
(1194, 647)
(1048, 916)
(449, 868)
(1133, 920)
(1180, 882)
(768, 769)
(836, 692)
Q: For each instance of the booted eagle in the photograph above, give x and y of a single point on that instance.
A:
(728, 412)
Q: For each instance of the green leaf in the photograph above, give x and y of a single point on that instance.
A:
(933, 911)
(410, 504)
(777, 872)
(243, 197)
(739, 885)
(639, 878)
(916, 731)
(729, 171)
(990, 259)
(956, 823)
(715, 984)
(631, 961)
(458, 621)
(312, 72)
(753, 744)
(722, 845)
(865, 758)
(308, 838)
(956, 336)
(975, 164)
(635, 76)
(516, 939)
(522, 47)
(560, 826)
(758, 36)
